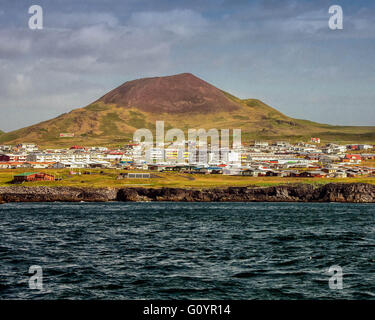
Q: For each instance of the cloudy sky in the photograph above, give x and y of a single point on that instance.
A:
(282, 52)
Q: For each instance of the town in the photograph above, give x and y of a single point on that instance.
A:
(257, 159)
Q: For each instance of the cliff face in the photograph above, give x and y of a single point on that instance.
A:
(354, 192)
(285, 193)
(48, 194)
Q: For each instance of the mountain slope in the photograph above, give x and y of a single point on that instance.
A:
(182, 101)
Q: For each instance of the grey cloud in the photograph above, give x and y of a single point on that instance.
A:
(77, 19)
(181, 22)
(277, 50)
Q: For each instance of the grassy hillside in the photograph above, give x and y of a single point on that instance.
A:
(101, 124)
(179, 106)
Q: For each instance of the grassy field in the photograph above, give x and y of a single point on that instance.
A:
(164, 179)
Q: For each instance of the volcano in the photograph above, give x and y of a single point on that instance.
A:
(182, 101)
(182, 93)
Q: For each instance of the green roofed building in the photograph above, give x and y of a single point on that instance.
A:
(25, 174)
(33, 176)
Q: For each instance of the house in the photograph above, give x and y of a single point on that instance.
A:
(313, 174)
(5, 148)
(28, 147)
(329, 170)
(291, 173)
(14, 165)
(4, 158)
(368, 156)
(160, 167)
(99, 164)
(327, 159)
(282, 144)
(232, 171)
(68, 164)
(14, 157)
(313, 156)
(32, 176)
(250, 172)
(214, 170)
(200, 170)
(352, 174)
(260, 144)
(75, 147)
(353, 158)
(40, 165)
(114, 155)
(271, 173)
(340, 174)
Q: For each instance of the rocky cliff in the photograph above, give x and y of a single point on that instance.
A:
(334, 192)
(52, 194)
(284, 193)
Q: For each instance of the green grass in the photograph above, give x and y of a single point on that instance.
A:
(164, 179)
(97, 106)
(108, 124)
(240, 117)
(8, 136)
(136, 120)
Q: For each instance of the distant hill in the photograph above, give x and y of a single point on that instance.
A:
(1, 132)
(182, 101)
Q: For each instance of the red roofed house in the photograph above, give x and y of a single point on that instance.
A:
(33, 176)
(75, 147)
(354, 158)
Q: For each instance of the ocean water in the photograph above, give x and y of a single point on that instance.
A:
(187, 250)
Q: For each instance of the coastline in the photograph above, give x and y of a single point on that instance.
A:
(332, 192)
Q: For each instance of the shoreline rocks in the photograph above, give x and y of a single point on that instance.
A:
(52, 194)
(333, 192)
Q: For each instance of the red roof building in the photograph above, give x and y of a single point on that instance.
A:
(75, 147)
(353, 157)
(33, 176)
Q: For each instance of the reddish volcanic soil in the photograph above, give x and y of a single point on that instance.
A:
(182, 93)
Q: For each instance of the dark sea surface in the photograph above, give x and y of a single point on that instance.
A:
(187, 250)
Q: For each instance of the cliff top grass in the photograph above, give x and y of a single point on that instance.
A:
(108, 178)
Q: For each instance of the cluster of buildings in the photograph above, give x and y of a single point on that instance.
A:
(260, 158)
